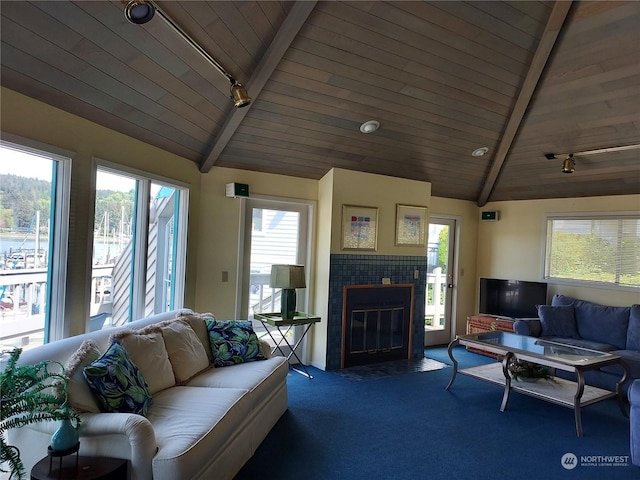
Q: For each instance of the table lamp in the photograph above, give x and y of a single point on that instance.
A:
(288, 278)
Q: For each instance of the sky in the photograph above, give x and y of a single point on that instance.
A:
(32, 166)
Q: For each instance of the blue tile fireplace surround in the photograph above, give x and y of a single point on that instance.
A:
(370, 270)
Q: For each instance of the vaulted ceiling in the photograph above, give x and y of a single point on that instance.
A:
(522, 78)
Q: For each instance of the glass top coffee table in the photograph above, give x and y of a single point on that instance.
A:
(554, 355)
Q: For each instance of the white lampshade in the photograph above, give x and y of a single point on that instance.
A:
(287, 276)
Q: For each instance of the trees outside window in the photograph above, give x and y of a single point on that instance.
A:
(595, 249)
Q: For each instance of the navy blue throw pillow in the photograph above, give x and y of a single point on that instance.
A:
(558, 321)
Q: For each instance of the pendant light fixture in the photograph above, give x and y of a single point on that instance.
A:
(569, 163)
(142, 11)
(239, 94)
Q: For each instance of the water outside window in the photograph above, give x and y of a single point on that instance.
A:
(25, 228)
(112, 249)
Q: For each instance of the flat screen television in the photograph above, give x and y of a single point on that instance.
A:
(511, 298)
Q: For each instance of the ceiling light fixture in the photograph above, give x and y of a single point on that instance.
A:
(370, 126)
(141, 11)
(239, 94)
(479, 152)
(569, 164)
(621, 148)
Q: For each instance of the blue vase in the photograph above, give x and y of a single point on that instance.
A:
(65, 437)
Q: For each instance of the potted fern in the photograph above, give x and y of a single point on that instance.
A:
(528, 371)
(27, 397)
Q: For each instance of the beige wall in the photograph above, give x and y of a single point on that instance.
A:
(513, 247)
(219, 232)
(509, 248)
(33, 120)
(318, 339)
(366, 189)
(345, 187)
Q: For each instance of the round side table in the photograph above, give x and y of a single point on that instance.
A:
(80, 468)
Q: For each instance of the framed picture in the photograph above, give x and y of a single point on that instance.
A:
(411, 225)
(359, 227)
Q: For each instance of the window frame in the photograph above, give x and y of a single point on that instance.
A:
(54, 324)
(546, 260)
(307, 209)
(141, 231)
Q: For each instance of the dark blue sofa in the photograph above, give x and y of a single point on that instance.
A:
(634, 420)
(591, 325)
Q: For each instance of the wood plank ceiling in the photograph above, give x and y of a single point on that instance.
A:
(442, 78)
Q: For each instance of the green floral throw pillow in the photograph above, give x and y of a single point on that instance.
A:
(232, 342)
(117, 383)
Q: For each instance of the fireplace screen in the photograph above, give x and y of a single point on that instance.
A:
(376, 329)
(377, 322)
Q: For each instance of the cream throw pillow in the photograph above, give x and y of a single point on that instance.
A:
(79, 395)
(148, 352)
(197, 322)
(186, 352)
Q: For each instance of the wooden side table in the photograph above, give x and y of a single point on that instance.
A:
(487, 323)
(88, 468)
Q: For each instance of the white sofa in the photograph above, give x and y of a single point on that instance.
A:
(205, 428)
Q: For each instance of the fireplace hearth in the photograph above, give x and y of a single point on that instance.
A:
(377, 323)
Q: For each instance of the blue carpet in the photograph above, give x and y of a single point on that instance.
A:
(406, 426)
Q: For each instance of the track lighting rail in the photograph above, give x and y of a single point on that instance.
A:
(239, 94)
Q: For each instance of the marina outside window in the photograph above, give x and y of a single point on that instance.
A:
(139, 247)
(34, 206)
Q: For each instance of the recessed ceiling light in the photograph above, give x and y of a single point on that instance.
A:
(479, 152)
(370, 126)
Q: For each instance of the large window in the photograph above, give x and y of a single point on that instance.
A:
(599, 249)
(139, 247)
(34, 203)
(139, 250)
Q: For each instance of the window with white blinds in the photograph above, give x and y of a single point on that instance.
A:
(595, 249)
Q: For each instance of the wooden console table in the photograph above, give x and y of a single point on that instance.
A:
(487, 323)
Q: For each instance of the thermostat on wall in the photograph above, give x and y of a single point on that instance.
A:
(237, 190)
(490, 216)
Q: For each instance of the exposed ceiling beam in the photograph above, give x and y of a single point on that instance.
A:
(545, 47)
(278, 47)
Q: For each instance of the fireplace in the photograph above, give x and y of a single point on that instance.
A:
(376, 323)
